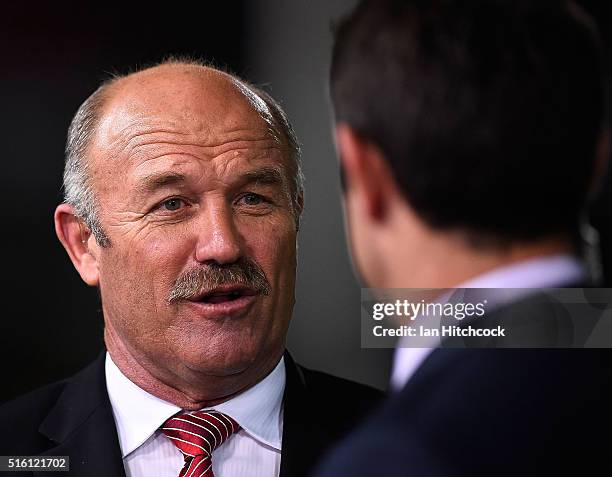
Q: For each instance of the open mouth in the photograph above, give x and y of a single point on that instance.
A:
(224, 295)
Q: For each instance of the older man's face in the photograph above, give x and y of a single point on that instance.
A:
(195, 198)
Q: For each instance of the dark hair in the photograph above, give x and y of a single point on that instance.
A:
(488, 112)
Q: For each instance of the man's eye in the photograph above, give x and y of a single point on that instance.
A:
(252, 199)
(172, 204)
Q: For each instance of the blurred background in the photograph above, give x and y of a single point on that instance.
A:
(53, 56)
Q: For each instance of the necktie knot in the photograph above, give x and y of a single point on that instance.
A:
(197, 434)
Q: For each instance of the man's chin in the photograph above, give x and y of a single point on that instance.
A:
(219, 364)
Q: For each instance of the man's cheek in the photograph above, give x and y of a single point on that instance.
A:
(276, 256)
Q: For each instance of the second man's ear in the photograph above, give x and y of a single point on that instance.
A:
(364, 170)
(76, 238)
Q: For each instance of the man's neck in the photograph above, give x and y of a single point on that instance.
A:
(448, 262)
(205, 391)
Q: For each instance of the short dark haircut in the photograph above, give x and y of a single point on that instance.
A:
(488, 111)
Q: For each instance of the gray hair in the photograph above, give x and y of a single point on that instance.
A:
(78, 188)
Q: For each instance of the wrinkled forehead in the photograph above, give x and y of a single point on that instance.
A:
(183, 100)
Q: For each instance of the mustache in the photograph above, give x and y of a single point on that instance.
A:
(205, 278)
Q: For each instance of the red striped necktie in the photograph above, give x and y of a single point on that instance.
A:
(197, 434)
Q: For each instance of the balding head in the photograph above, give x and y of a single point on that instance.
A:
(184, 88)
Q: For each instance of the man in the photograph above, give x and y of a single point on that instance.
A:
(470, 138)
(183, 196)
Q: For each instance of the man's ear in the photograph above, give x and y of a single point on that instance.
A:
(366, 175)
(76, 239)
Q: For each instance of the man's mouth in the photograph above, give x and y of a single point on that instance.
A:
(224, 294)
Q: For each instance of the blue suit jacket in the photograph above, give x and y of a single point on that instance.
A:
(492, 412)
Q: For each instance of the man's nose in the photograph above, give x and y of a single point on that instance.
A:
(218, 238)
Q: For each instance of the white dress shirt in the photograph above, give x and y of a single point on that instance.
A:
(255, 450)
(543, 272)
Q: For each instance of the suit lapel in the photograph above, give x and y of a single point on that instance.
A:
(304, 433)
(82, 426)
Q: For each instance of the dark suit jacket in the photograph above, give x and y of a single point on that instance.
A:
(74, 418)
(492, 412)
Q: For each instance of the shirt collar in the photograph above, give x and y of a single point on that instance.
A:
(138, 414)
(514, 282)
(541, 272)
(258, 409)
